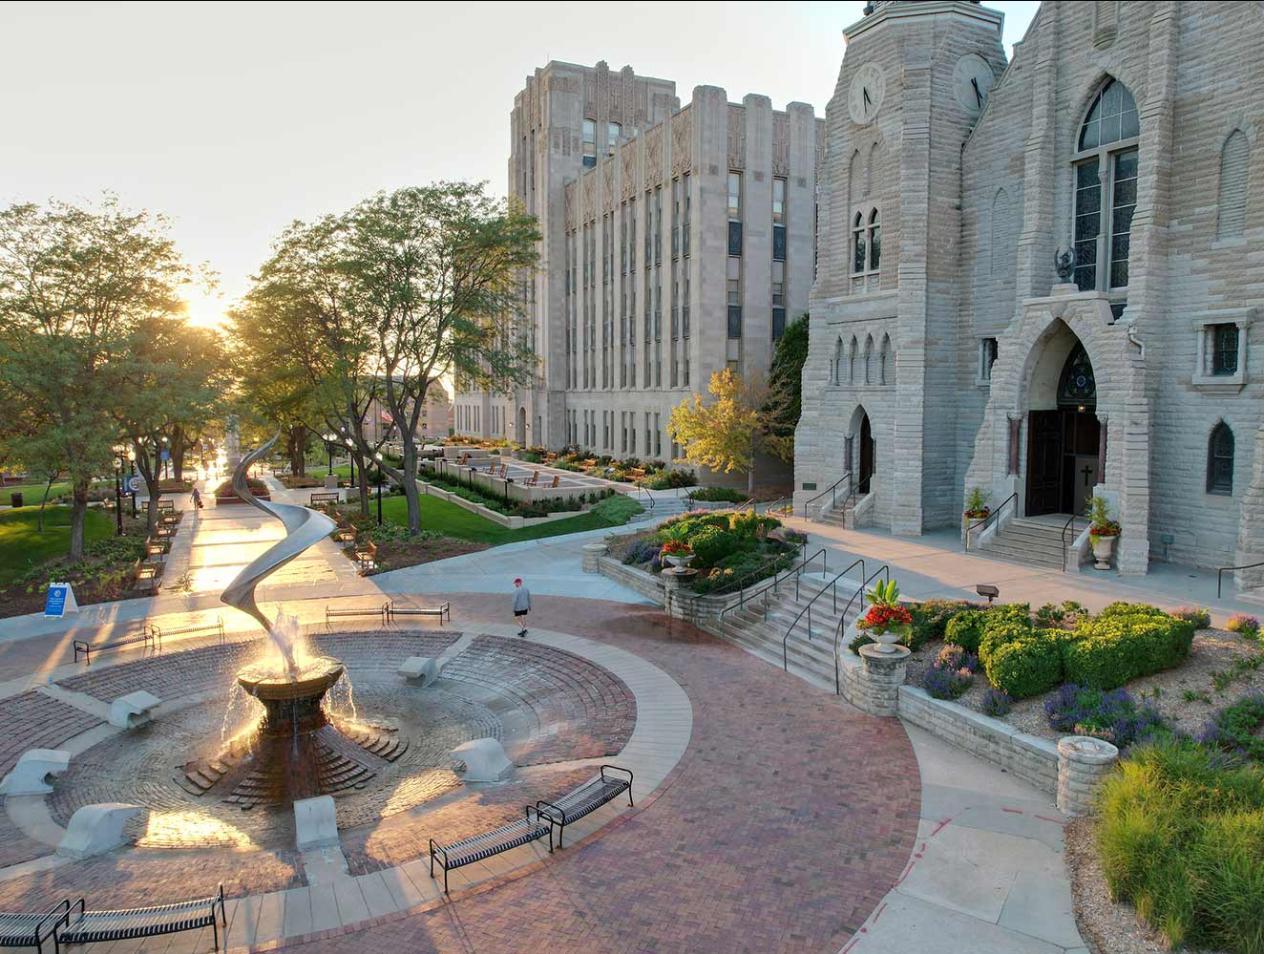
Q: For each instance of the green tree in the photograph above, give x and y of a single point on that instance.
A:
(74, 283)
(784, 403)
(727, 433)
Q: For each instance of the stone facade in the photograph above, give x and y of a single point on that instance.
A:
(632, 308)
(1124, 132)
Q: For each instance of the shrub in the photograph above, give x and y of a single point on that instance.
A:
(965, 629)
(668, 479)
(1022, 662)
(718, 494)
(1181, 835)
(996, 702)
(931, 617)
(954, 657)
(1247, 626)
(711, 545)
(1114, 716)
(1201, 618)
(947, 683)
(1237, 728)
(1053, 615)
(642, 551)
(1122, 645)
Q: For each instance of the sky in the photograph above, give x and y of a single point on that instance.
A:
(234, 119)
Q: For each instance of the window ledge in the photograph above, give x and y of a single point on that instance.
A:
(982, 382)
(1219, 383)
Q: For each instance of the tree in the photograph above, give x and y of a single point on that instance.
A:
(784, 404)
(727, 433)
(74, 283)
(439, 274)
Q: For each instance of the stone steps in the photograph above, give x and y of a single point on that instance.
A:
(1027, 542)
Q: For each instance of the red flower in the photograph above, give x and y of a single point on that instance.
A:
(884, 617)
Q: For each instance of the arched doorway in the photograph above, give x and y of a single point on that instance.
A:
(865, 471)
(1064, 435)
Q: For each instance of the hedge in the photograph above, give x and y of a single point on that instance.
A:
(966, 629)
(1115, 648)
(1027, 664)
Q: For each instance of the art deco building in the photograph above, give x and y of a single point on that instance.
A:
(676, 241)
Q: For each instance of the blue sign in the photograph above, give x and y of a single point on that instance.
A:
(166, 454)
(55, 601)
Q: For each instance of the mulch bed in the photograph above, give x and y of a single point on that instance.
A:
(397, 554)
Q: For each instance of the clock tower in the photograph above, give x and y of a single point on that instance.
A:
(914, 80)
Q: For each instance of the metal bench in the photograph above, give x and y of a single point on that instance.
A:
(90, 927)
(319, 497)
(587, 798)
(149, 635)
(442, 611)
(20, 929)
(468, 850)
(353, 611)
(209, 629)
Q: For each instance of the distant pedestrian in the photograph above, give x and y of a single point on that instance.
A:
(197, 499)
(521, 605)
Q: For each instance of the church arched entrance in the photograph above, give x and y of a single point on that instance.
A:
(1064, 435)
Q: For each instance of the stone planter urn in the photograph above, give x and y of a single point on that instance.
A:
(889, 637)
(680, 560)
(1103, 547)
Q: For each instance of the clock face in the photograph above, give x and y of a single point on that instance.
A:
(971, 80)
(865, 96)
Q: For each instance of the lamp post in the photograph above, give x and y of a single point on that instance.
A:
(329, 447)
(131, 456)
(119, 451)
(351, 457)
(380, 480)
(164, 457)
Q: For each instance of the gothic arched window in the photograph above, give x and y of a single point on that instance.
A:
(859, 258)
(1106, 163)
(836, 367)
(884, 358)
(1235, 157)
(851, 360)
(1220, 460)
(868, 359)
(875, 241)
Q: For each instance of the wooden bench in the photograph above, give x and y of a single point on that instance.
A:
(345, 535)
(148, 635)
(157, 548)
(323, 497)
(365, 555)
(90, 927)
(165, 531)
(170, 518)
(442, 611)
(354, 611)
(147, 574)
(22, 929)
(587, 798)
(166, 506)
(477, 847)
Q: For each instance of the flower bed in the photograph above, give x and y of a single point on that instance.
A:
(224, 492)
(729, 549)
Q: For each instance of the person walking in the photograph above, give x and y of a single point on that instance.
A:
(197, 499)
(521, 605)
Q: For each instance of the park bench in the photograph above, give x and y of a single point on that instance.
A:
(557, 481)
(345, 535)
(523, 831)
(147, 635)
(323, 497)
(587, 798)
(166, 505)
(147, 574)
(442, 611)
(165, 531)
(349, 612)
(170, 518)
(365, 555)
(157, 548)
(533, 480)
(33, 929)
(202, 629)
(126, 924)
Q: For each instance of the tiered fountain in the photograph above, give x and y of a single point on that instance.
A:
(295, 751)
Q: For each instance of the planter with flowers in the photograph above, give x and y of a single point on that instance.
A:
(976, 507)
(676, 553)
(887, 621)
(1102, 532)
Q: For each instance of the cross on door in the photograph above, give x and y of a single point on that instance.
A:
(1088, 473)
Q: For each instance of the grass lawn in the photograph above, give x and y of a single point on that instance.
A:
(34, 493)
(22, 546)
(451, 520)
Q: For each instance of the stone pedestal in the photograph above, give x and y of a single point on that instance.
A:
(34, 772)
(1083, 762)
(420, 670)
(881, 675)
(96, 829)
(675, 603)
(133, 710)
(331, 481)
(482, 760)
(315, 823)
(592, 553)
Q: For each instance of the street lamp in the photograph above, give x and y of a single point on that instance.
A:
(165, 456)
(351, 446)
(380, 480)
(131, 456)
(119, 451)
(329, 446)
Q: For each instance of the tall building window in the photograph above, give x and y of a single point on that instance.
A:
(987, 358)
(875, 242)
(735, 213)
(859, 250)
(734, 285)
(1220, 460)
(675, 227)
(866, 243)
(589, 149)
(778, 299)
(1106, 190)
(1235, 161)
(1224, 349)
(613, 131)
(658, 435)
(779, 219)
(684, 223)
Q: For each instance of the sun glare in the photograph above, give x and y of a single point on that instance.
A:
(205, 309)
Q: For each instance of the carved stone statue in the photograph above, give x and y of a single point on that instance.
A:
(1064, 262)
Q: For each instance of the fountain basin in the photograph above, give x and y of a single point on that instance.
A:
(267, 685)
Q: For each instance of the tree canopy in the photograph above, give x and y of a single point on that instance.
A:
(725, 433)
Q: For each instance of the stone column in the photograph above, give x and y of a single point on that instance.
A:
(1083, 762)
(881, 676)
(592, 553)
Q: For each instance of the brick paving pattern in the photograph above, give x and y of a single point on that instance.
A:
(789, 817)
(33, 720)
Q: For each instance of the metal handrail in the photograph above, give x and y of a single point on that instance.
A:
(1069, 525)
(1226, 569)
(778, 578)
(991, 516)
(832, 490)
(885, 569)
(833, 588)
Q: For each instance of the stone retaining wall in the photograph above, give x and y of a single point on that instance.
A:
(512, 523)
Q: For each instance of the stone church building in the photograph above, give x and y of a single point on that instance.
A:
(953, 347)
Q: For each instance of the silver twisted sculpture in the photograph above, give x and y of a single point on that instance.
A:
(304, 528)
